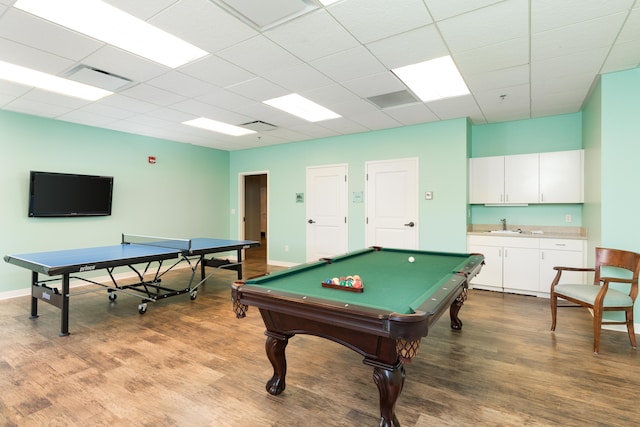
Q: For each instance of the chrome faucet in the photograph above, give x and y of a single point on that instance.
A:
(504, 224)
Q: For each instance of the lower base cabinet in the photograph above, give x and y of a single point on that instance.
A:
(525, 264)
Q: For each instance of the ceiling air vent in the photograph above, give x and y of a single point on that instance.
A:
(258, 126)
(264, 15)
(393, 99)
(98, 78)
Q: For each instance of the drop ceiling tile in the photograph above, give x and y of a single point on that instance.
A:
(5, 99)
(581, 62)
(299, 78)
(86, 118)
(143, 9)
(258, 89)
(23, 105)
(200, 109)
(505, 77)
(370, 20)
(502, 21)
(549, 14)
(202, 23)
(353, 107)
(171, 115)
(152, 94)
(26, 56)
(344, 126)
(224, 99)
(576, 37)
(376, 84)
(502, 99)
(443, 9)
(312, 36)
(100, 109)
(507, 54)
(414, 46)
(46, 97)
(119, 62)
(375, 120)
(259, 55)
(330, 95)
(128, 103)
(44, 35)
(411, 114)
(13, 89)
(179, 83)
(453, 108)
(216, 71)
(623, 56)
(349, 64)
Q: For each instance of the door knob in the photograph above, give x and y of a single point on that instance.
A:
(411, 224)
(311, 221)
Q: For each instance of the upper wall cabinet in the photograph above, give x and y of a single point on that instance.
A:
(562, 177)
(555, 177)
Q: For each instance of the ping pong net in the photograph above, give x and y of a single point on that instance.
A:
(163, 242)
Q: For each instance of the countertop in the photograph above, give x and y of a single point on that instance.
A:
(529, 231)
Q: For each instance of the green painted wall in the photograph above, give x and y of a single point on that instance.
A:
(620, 156)
(185, 194)
(555, 133)
(442, 151)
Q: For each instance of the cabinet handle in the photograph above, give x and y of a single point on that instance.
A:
(542, 197)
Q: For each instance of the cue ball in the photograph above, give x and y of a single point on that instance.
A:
(411, 259)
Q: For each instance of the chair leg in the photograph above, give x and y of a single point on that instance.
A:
(597, 328)
(630, 329)
(554, 310)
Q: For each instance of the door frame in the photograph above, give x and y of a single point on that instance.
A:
(240, 208)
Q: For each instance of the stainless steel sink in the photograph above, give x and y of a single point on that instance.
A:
(506, 231)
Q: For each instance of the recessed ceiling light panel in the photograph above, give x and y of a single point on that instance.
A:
(216, 126)
(432, 80)
(302, 107)
(28, 77)
(111, 25)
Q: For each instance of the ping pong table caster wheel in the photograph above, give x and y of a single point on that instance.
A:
(193, 295)
(112, 296)
(142, 308)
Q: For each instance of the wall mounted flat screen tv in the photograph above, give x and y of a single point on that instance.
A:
(62, 194)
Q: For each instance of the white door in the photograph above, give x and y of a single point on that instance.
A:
(392, 203)
(326, 195)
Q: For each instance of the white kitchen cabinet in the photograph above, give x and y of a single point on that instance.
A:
(521, 178)
(562, 177)
(511, 263)
(525, 264)
(556, 177)
(486, 180)
(562, 252)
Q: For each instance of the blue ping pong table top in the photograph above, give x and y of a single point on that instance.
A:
(69, 260)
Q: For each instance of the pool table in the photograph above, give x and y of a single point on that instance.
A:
(404, 292)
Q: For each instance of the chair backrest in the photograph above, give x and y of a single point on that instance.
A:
(618, 258)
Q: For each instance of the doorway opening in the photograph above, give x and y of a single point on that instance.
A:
(254, 215)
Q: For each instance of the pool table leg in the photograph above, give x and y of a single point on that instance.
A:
(390, 383)
(456, 323)
(275, 346)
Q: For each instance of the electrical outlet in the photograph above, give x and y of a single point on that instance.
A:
(286, 248)
(567, 218)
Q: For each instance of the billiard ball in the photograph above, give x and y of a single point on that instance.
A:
(411, 259)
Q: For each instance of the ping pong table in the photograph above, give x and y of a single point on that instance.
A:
(138, 253)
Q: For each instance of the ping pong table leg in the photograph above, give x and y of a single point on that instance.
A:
(34, 299)
(64, 316)
(239, 261)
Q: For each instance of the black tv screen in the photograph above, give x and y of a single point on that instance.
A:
(63, 194)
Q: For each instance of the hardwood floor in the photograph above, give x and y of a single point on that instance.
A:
(192, 363)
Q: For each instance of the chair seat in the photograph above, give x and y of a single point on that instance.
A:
(588, 293)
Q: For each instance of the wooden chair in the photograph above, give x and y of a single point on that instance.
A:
(599, 296)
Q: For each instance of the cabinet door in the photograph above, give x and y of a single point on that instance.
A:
(486, 179)
(491, 273)
(550, 258)
(521, 178)
(521, 269)
(562, 177)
